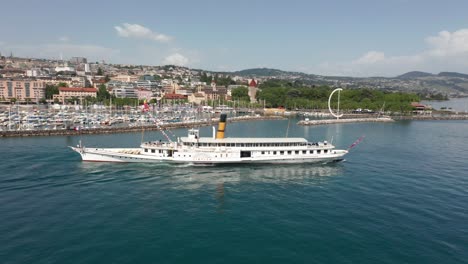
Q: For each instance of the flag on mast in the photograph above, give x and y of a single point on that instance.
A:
(145, 106)
(356, 142)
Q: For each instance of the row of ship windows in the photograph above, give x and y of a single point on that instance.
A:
(154, 151)
(289, 152)
(250, 144)
(281, 152)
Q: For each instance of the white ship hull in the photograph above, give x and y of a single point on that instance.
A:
(195, 157)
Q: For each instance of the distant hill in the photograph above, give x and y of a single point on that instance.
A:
(414, 74)
(266, 72)
(453, 74)
(451, 84)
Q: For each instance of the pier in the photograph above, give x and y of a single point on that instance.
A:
(127, 129)
(433, 117)
(347, 119)
(343, 121)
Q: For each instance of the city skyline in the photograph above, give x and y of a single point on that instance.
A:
(363, 38)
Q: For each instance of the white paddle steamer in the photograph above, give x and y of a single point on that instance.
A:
(219, 150)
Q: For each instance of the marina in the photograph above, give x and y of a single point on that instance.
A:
(56, 120)
(135, 128)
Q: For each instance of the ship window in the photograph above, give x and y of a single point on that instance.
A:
(325, 151)
(153, 151)
(318, 151)
(304, 152)
(289, 152)
(311, 152)
(296, 152)
(274, 152)
(146, 150)
(245, 154)
(281, 152)
(263, 152)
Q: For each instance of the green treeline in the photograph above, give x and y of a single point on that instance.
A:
(275, 93)
(220, 81)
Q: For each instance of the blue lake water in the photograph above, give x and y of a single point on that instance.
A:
(454, 104)
(401, 196)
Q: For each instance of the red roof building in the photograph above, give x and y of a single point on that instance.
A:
(72, 92)
(418, 106)
(77, 90)
(174, 96)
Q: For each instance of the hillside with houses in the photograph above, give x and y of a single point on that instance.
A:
(31, 80)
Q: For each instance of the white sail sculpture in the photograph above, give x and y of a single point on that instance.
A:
(337, 115)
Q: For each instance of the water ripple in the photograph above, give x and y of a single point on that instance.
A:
(397, 199)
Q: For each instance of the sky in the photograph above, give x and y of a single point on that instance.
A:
(341, 38)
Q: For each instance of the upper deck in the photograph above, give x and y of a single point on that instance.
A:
(244, 140)
(238, 143)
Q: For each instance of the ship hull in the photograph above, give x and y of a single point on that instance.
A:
(134, 155)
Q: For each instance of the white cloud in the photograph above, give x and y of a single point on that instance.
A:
(371, 57)
(64, 39)
(449, 44)
(176, 59)
(447, 51)
(138, 31)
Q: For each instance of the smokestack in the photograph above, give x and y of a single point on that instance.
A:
(221, 126)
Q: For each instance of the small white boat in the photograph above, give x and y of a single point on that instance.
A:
(218, 150)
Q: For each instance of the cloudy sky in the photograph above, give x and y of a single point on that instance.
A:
(345, 38)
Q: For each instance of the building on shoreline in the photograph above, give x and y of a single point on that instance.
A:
(72, 92)
(22, 90)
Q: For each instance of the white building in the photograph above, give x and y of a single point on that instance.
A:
(125, 92)
(64, 69)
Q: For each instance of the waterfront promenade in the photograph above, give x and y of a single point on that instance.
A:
(369, 118)
(317, 122)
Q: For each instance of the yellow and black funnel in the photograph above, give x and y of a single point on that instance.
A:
(221, 126)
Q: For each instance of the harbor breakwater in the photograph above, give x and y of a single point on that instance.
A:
(342, 121)
(133, 129)
(433, 117)
(352, 119)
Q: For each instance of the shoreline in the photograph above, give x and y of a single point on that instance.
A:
(435, 118)
(318, 122)
(188, 124)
